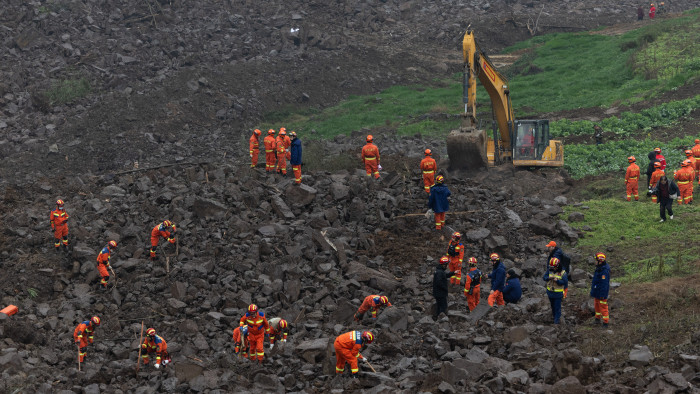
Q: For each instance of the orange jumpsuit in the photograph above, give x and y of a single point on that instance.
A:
(155, 345)
(59, 224)
(156, 233)
(287, 144)
(455, 251)
(655, 176)
(257, 328)
(632, 182)
(370, 302)
(428, 166)
(473, 298)
(693, 164)
(281, 155)
(254, 150)
(370, 156)
(270, 157)
(684, 180)
(275, 330)
(103, 263)
(347, 350)
(238, 341)
(83, 334)
(696, 153)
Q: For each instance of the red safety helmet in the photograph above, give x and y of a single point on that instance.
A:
(383, 300)
(631, 159)
(151, 332)
(370, 138)
(283, 324)
(456, 236)
(657, 150)
(600, 256)
(657, 165)
(494, 257)
(271, 132)
(444, 260)
(252, 308)
(257, 132)
(688, 152)
(59, 203)
(167, 223)
(554, 263)
(440, 179)
(95, 320)
(112, 244)
(472, 261)
(428, 152)
(368, 337)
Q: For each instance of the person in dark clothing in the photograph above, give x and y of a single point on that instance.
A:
(650, 168)
(498, 281)
(598, 134)
(437, 201)
(295, 157)
(640, 13)
(440, 287)
(600, 287)
(512, 292)
(557, 280)
(666, 191)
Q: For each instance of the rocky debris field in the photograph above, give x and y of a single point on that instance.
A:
(309, 254)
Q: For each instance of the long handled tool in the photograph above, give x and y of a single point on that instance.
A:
(138, 362)
(114, 275)
(78, 356)
(370, 365)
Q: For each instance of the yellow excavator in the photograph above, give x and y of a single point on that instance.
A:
(522, 142)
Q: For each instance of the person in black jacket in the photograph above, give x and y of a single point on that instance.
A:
(666, 191)
(650, 168)
(440, 286)
(512, 292)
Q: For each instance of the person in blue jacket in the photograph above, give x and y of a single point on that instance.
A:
(557, 280)
(512, 292)
(600, 287)
(295, 157)
(437, 201)
(498, 280)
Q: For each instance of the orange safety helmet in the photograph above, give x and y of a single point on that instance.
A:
(271, 132)
(472, 261)
(383, 300)
(494, 257)
(657, 165)
(151, 332)
(59, 203)
(686, 162)
(282, 132)
(283, 324)
(631, 159)
(456, 236)
(112, 244)
(95, 320)
(657, 150)
(252, 308)
(257, 132)
(600, 256)
(697, 141)
(688, 152)
(440, 179)
(428, 152)
(368, 337)
(370, 138)
(554, 263)
(444, 260)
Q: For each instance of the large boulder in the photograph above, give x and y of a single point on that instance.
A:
(374, 278)
(640, 356)
(300, 194)
(313, 350)
(393, 318)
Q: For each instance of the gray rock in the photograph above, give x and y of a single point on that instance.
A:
(208, 209)
(393, 318)
(113, 191)
(513, 217)
(640, 356)
(300, 194)
(313, 350)
(540, 227)
(478, 234)
(518, 377)
(561, 200)
(445, 387)
(569, 385)
(339, 191)
(576, 217)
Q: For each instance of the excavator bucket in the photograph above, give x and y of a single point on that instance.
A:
(466, 148)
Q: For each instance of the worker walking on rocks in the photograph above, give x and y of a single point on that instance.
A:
(655, 176)
(257, 328)
(437, 201)
(498, 281)
(428, 166)
(696, 154)
(254, 148)
(59, 224)
(684, 180)
(154, 343)
(270, 146)
(347, 350)
(512, 291)
(163, 230)
(557, 280)
(600, 287)
(370, 157)
(632, 179)
(472, 285)
(278, 330)
(281, 152)
(103, 259)
(83, 335)
(240, 340)
(295, 157)
(371, 303)
(440, 287)
(455, 252)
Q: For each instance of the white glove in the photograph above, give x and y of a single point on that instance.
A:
(272, 345)
(166, 362)
(251, 155)
(157, 366)
(284, 340)
(365, 359)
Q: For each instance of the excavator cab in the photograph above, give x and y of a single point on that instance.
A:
(533, 147)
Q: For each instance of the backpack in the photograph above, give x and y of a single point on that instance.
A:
(566, 263)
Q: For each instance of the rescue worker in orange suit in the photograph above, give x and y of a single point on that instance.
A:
(281, 152)
(278, 330)
(652, 11)
(693, 163)
(696, 154)
(455, 252)
(347, 350)
(240, 340)
(257, 328)
(166, 230)
(437, 201)
(83, 335)
(254, 148)
(600, 287)
(660, 158)
(370, 157)
(59, 224)
(371, 303)
(498, 281)
(103, 262)
(287, 142)
(270, 145)
(632, 179)
(155, 344)
(472, 286)
(684, 180)
(295, 157)
(428, 166)
(655, 176)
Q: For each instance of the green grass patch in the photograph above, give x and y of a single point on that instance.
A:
(67, 90)
(632, 237)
